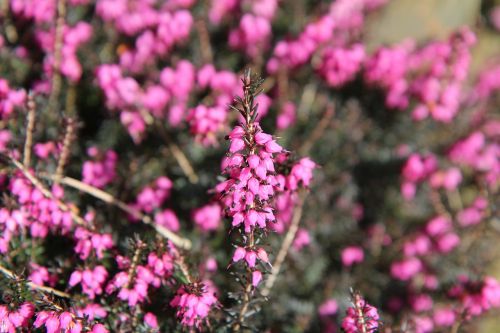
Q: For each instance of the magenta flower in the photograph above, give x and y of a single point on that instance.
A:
(352, 255)
(361, 317)
(193, 302)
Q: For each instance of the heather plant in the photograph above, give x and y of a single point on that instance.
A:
(244, 165)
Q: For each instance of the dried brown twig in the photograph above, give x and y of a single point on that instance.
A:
(285, 246)
(30, 128)
(179, 241)
(34, 286)
(63, 206)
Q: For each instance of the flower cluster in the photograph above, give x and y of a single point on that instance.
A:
(193, 303)
(437, 72)
(360, 317)
(403, 207)
(102, 170)
(246, 196)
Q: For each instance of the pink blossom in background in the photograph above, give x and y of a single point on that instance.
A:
(208, 217)
(168, 219)
(302, 239)
(328, 308)
(287, 116)
(102, 170)
(405, 269)
(444, 317)
(150, 320)
(352, 255)
(340, 65)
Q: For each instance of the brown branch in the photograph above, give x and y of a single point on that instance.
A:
(179, 241)
(179, 155)
(318, 131)
(62, 206)
(184, 163)
(205, 47)
(34, 286)
(30, 128)
(69, 136)
(58, 44)
(285, 246)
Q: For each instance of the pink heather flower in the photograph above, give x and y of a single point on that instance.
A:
(421, 303)
(208, 217)
(99, 328)
(444, 317)
(257, 183)
(206, 122)
(10, 99)
(5, 137)
(55, 322)
(251, 258)
(239, 254)
(150, 320)
(88, 242)
(423, 324)
(221, 8)
(252, 35)
(361, 317)
(256, 278)
(414, 168)
(471, 215)
(262, 255)
(408, 190)
(438, 225)
(167, 219)
(301, 174)
(447, 242)
(420, 245)
(302, 239)
(135, 125)
(328, 308)
(44, 150)
(11, 320)
(211, 264)
(352, 255)
(162, 266)
(287, 116)
(41, 276)
(92, 280)
(449, 179)
(406, 269)
(102, 170)
(193, 303)
(153, 197)
(339, 65)
(92, 311)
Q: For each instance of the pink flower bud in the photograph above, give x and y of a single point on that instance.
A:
(256, 278)
(253, 161)
(262, 138)
(75, 278)
(237, 219)
(251, 258)
(236, 145)
(262, 255)
(273, 147)
(253, 185)
(150, 320)
(352, 255)
(239, 254)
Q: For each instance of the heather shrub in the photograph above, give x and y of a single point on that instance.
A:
(245, 165)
